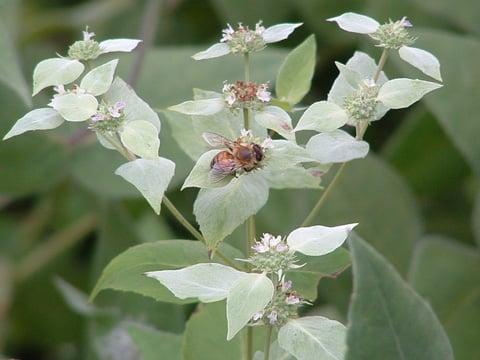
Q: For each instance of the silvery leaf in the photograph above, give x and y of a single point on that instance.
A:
(150, 177)
(277, 119)
(322, 116)
(422, 60)
(250, 294)
(56, 71)
(119, 45)
(98, 80)
(209, 282)
(318, 240)
(203, 107)
(75, 107)
(401, 93)
(279, 32)
(314, 337)
(141, 138)
(216, 50)
(38, 119)
(356, 23)
(336, 147)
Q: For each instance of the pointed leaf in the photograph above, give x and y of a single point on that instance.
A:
(294, 177)
(285, 154)
(38, 119)
(250, 294)
(99, 80)
(56, 71)
(422, 60)
(75, 107)
(200, 107)
(279, 32)
(388, 320)
(213, 51)
(318, 240)
(401, 93)
(322, 116)
(295, 75)
(336, 147)
(150, 177)
(120, 45)
(313, 337)
(356, 23)
(126, 271)
(141, 138)
(135, 107)
(219, 211)
(277, 119)
(208, 282)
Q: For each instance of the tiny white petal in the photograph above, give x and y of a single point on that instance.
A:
(356, 23)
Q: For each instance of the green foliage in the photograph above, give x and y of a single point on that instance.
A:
(447, 275)
(151, 343)
(387, 318)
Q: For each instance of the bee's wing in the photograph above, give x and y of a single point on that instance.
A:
(216, 140)
(220, 171)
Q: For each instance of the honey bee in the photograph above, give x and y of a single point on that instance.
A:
(239, 155)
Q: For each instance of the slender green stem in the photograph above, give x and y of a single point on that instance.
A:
(246, 58)
(250, 237)
(268, 340)
(313, 213)
(381, 64)
(361, 128)
(113, 139)
(248, 353)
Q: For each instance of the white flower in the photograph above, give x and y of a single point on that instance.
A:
(116, 110)
(292, 299)
(257, 316)
(273, 317)
(287, 285)
(392, 35)
(87, 35)
(243, 40)
(263, 94)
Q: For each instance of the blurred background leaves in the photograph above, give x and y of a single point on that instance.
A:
(416, 197)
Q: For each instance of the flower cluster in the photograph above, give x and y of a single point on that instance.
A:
(243, 39)
(361, 104)
(272, 255)
(284, 306)
(243, 94)
(394, 34)
(108, 118)
(86, 49)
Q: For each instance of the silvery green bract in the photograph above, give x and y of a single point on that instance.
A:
(419, 58)
(249, 293)
(269, 35)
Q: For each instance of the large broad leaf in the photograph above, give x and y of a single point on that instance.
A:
(455, 105)
(205, 336)
(55, 71)
(295, 74)
(250, 294)
(313, 337)
(10, 71)
(151, 342)
(447, 274)
(98, 80)
(220, 211)
(126, 271)
(387, 319)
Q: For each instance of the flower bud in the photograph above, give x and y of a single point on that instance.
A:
(394, 34)
(361, 105)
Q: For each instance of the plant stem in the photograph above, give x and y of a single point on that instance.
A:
(311, 216)
(58, 243)
(381, 64)
(170, 206)
(249, 344)
(268, 339)
(360, 132)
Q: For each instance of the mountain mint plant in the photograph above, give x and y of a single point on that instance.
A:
(243, 141)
